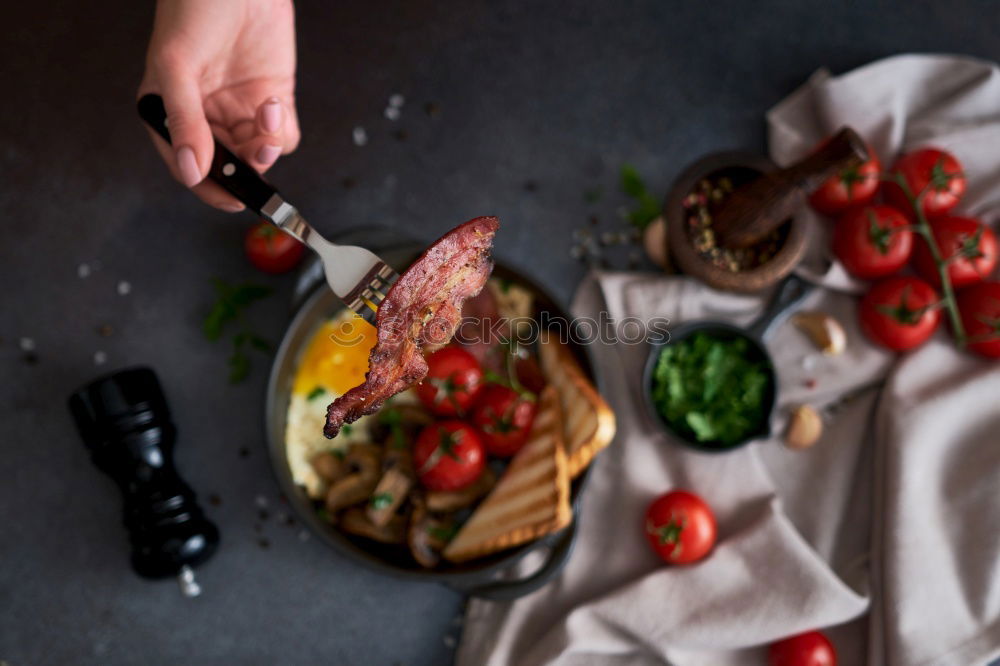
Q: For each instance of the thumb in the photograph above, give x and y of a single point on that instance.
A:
(190, 135)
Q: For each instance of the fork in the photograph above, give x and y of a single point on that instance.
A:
(357, 276)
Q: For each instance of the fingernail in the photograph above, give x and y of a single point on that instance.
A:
(270, 116)
(231, 207)
(267, 154)
(188, 166)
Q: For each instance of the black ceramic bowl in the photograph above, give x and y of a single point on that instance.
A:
(478, 577)
(788, 294)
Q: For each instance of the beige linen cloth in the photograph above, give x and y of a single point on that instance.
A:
(886, 533)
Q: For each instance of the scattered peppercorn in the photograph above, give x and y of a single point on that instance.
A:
(432, 109)
(264, 543)
(105, 330)
(348, 182)
(530, 186)
(700, 205)
(214, 500)
(244, 452)
(401, 134)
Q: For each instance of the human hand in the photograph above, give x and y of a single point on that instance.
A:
(226, 68)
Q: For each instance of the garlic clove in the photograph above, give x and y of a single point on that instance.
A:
(824, 331)
(805, 426)
(654, 240)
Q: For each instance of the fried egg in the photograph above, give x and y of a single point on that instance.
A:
(334, 361)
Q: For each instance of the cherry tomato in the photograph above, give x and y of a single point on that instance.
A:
(680, 527)
(935, 173)
(453, 381)
(968, 245)
(529, 374)
(979, 306)
(448, 455)
(900, 312)
(809, 649)
(854, 186)
(272, 250)
(873, 241)
(504, 417)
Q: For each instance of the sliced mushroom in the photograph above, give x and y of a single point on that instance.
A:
(352, 489)
(329, 466)
(397, 480)
(445, 501)
(354, 521)
(364, 459)
(427, 535)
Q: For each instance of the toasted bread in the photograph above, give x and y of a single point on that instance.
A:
(532, 497)
(588, 422)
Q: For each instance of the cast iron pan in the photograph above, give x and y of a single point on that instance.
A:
(482, 577)
(791, 291)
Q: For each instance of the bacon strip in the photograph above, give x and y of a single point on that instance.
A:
(422, 309)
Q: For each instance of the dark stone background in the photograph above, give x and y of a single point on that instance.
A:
(560, 94)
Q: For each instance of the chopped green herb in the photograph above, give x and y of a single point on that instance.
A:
(442, 533)
(339, 453)
(315, 393)
(381, 500)
(346, 429)
(394, 420)
(711, 389)
(647, 207)
(324, 514)
(505, 285)
(231, 301)
(593, 195)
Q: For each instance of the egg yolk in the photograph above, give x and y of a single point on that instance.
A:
(337, 356)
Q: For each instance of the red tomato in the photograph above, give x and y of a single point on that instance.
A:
(969, 246)
(680, 527)
(979, 306)
(900, 312)
(448, 455)
(504, 417)
(854, 186)
(272, 250)
(809, 649)
(873, 241)
(935, 173)
(453, 381)
(529, 374)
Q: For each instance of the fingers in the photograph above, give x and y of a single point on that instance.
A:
(190, 135)
(273, 132)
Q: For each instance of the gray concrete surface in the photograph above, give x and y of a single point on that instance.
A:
(560, 94)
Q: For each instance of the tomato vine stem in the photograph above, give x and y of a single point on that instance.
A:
(923, 228)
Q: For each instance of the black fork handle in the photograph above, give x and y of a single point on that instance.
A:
(233, 174)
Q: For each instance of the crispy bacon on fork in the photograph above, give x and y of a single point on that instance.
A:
(422, 309)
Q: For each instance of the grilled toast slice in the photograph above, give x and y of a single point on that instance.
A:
(532, 497)
(588, 422)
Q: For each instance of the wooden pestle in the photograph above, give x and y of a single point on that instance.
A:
(756, 209)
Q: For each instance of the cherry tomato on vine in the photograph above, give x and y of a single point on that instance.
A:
(900, 312)
(968, 245)
(680, 527)
(448, 455)
(979, 307)
(504, 418)
(853, 186)
(272, 250)
(809, 649)
(873, 241)
(935, 173)
(453, 381)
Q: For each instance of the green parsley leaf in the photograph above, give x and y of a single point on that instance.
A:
(315, 393)
(381, 500)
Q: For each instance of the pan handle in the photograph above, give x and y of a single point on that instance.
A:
(504, 590)
(788, 294)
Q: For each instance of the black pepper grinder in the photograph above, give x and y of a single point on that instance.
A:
(125, 422)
